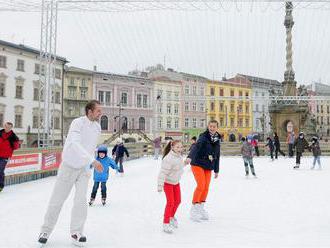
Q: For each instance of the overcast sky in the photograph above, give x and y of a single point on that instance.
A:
(208, 43)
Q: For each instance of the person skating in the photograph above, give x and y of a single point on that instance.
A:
(270, 145)
(300, 145)
(277, 145)
(157, 147)
(102, 177)
(77, 158)
(193, 143)
(254, 144)
(9, 142)
(169, 181)
(290, 141)
(247, 154)
(316, 149)
(118, 152)
(204, 158)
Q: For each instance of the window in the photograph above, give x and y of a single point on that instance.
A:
(18, 120)
(232, 93)
(36, 69)
(247, 94)
(139, 100)
(35, 121)
(72, 81)
(142, 123)
(194, 91)
(202, 123)
(221, 123)
(19, 91)
(176, 123)
(159, 93)
(232, 107)
(221, 92)
(83, 82)
(58, 74)
(20, 65)
(2, 114)
(124, 98)
(240, 122)
(232, 122)
(160, 107)
(240, 108)
(2, 89)
(247, 122)
(160, 123)
(145, 101)
(104, 122)
(328, 108)
(317, 109)
(212, 106)
(257, 107)
(176, 95)
(201, 92)
(43, 70)
(186, 122)
(176, 109)
(1, 119)
(169, 123)
(107, 97)
(247, 108)
(3, 61)
(321, 120)
(83, 94)
(263, 108)
(101, 97)
(194, 106)
(72, 93)
(57, 98)
(257, 124)
(212, 91)
(256, 94)
(168, 94)
(57, 122)
(221, 107)
(169, 108)
(194, 123)
(186, 90)
(240, 93)
(201, 107)
(328, 120)
(186, 106)
(321, 108)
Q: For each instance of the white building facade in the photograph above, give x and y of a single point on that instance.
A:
(19, 92)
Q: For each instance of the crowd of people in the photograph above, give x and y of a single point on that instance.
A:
(203, 157)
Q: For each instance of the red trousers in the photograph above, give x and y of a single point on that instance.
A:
(173, 200)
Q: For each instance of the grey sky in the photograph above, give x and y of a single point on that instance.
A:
(209, 43)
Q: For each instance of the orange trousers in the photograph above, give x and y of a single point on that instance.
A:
(203, 179)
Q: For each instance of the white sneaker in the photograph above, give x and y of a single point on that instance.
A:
(174, 222)
(167, 228)
(78, 239)
(203, 212)
(195, 214)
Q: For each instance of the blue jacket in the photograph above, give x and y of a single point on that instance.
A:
(119, 151)
(206, 153)
(106, 163)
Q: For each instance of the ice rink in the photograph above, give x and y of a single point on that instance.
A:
(281, 208)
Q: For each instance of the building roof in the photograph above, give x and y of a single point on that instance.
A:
(320, 89)
(193, 76)
(262, 81)
(122, 76)
(78, 70)
(239, 80)
(27, 49)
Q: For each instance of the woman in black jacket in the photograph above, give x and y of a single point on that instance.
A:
(204, 158)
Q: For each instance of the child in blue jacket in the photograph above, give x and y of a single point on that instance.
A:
(102, 177)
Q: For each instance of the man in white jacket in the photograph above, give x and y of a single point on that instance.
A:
(77, 159)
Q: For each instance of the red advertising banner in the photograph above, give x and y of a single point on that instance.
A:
(23, 163)
(51, 160)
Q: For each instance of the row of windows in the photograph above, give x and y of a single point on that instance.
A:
(169, 123)
(73, 93)
(169, 95)
(193, 107)
(75, 81)
(232, 123)
(232, 92)
(320, 120)
(169, 108)
(124, 123)
(21, 67)
(222, 107)
(319, 109)
(192, 123)
(192, 90)
(105, 98)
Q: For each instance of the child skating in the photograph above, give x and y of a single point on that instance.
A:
(118, 153)
(169, 182)
(102, 177)
(247, 154)
(315, 146)
(300, 144)
(270, 145)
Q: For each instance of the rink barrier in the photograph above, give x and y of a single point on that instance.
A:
(136, 150)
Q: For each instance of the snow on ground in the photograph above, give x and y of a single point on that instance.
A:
(282, 208)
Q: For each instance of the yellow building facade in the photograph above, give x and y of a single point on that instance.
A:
(229, 103)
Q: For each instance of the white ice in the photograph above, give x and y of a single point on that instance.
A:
(282, 208)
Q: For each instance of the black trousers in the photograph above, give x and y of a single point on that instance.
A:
(298, 157)
(120, 161)
(290, 150)
(278, 150)
(103, 189)
(3, 163)
(256, 148)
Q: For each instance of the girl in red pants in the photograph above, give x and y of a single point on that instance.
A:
(168, 180)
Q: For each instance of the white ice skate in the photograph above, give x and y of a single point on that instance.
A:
(203, 212)
(167, 228)
(78, 239)
(195, 214)
(174, 222)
